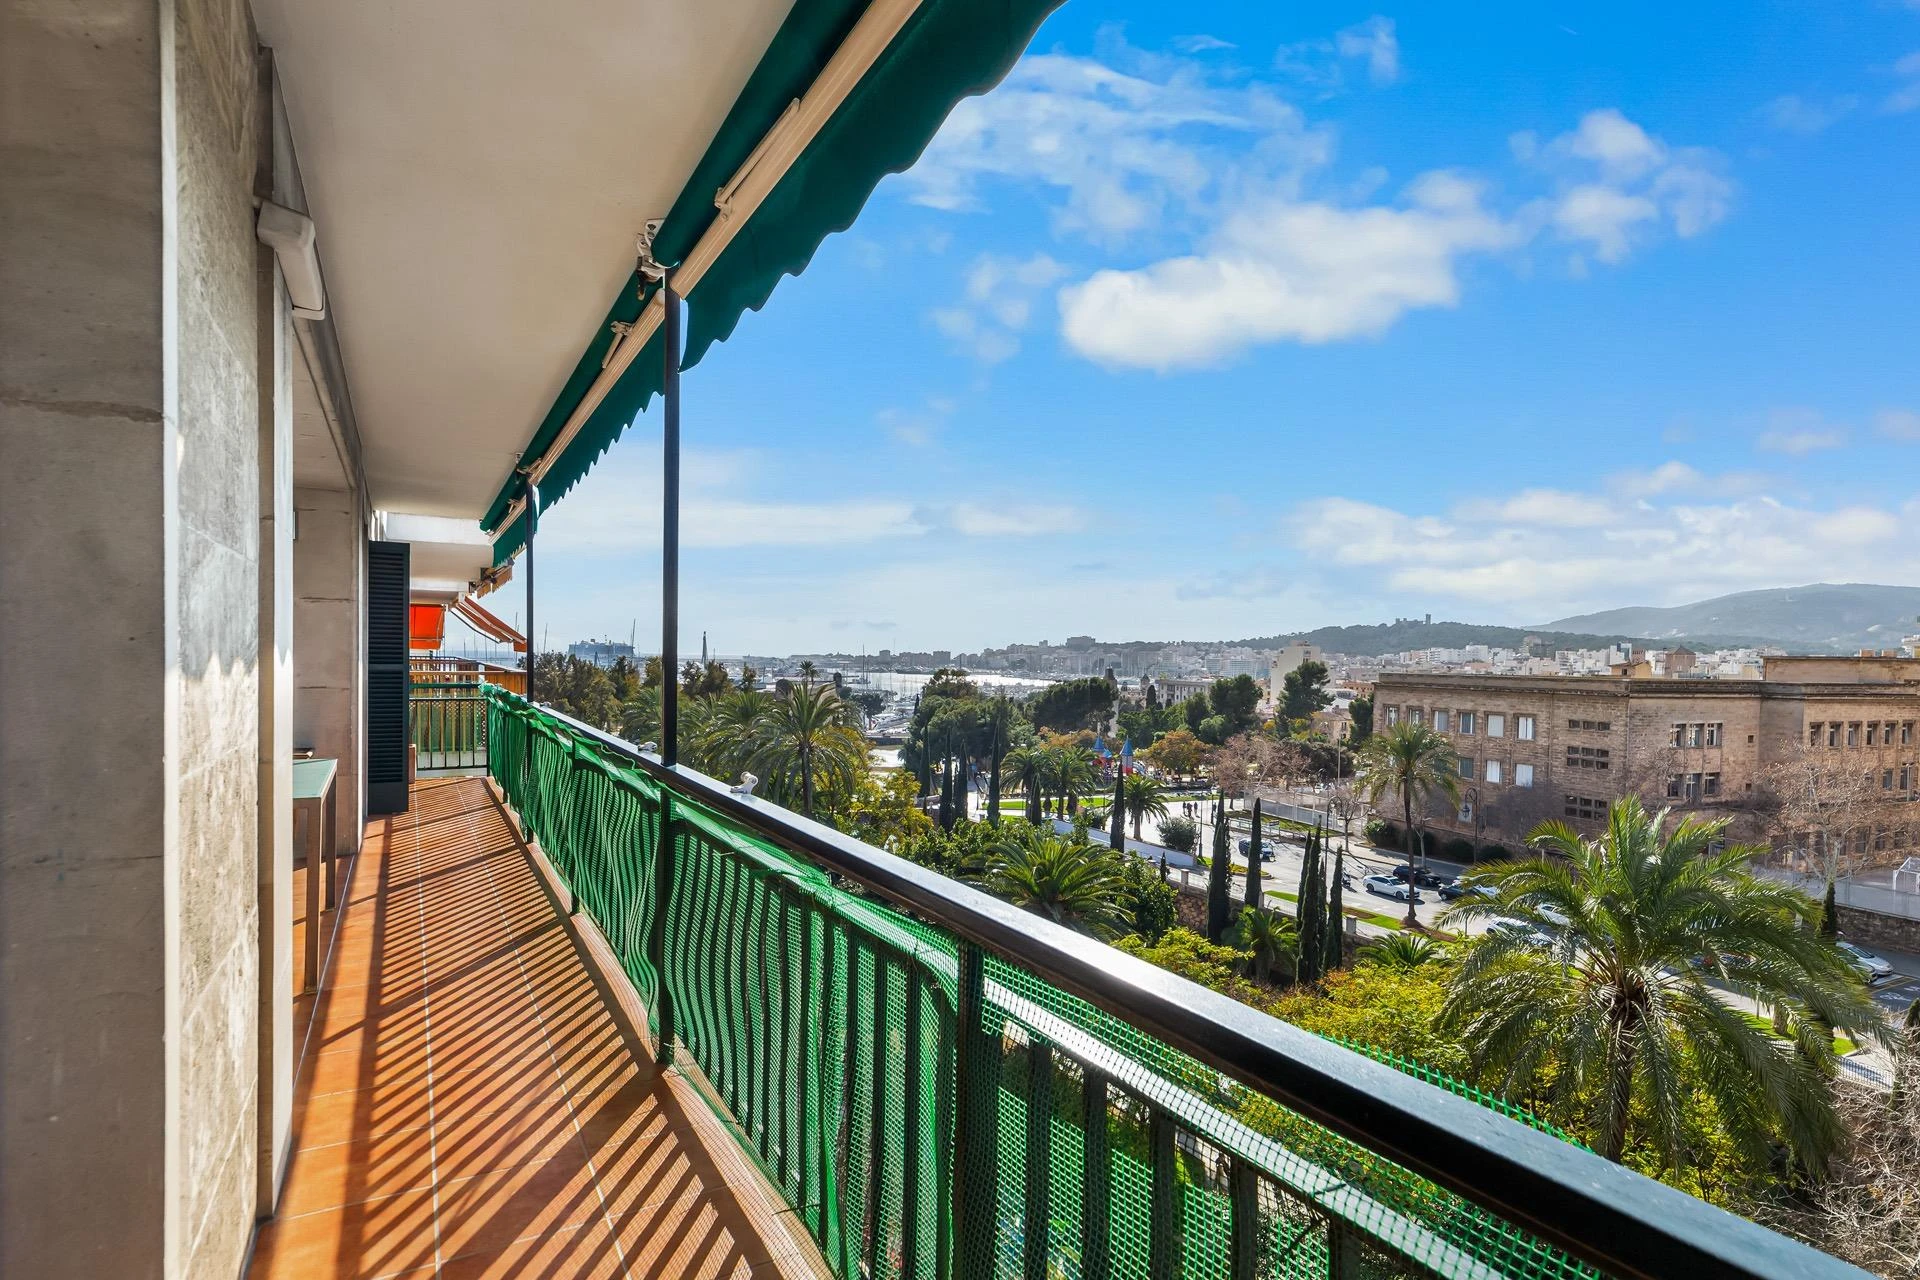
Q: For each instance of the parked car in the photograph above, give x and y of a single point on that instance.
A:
(1869, 967)
(1522, 930)
(1266, 849)
(1421, 876)
(1459, 888)
(1388, 887)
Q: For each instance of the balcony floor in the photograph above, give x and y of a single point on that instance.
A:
(467, 1106)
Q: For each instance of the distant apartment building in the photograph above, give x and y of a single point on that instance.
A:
(1532, 748)
(1285, 661)
(601, 653)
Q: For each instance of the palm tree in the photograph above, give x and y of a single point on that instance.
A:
(805, 737)
(730, 731)
(1024, 769)
(1410, 763)
(1145, 798)
(1267, 935)
(1077, 885)
(1400, 951)
(1602, 989)
(1069, 770)
(640, 716)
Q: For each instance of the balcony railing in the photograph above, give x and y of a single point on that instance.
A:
(940, 1084)
(442, 670)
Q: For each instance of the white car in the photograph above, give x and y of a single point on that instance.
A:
(1388, 887)
(1869, 967)
(1506, 927)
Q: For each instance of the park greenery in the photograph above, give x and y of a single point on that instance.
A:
(1594, 1005)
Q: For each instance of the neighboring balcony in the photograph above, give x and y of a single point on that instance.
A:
(868, 1070)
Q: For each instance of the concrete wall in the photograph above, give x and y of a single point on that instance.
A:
(329, 624)
(131, 405)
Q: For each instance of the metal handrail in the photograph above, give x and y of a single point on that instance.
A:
(1600, 1212)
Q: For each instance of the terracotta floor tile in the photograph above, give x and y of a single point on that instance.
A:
(703, 1233)
(577, 1253)
(468, 1145)
(350, 1172)
(384, 1237)
(326, 1119)
(490, 1212)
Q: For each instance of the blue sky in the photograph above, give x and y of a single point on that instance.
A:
(1220, 320)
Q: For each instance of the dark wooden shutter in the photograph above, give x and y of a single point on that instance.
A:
(387, 677)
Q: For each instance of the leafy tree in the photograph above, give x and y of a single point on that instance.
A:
(950, 682)
(1266, 936)
(807, 737)
(1396, 1010)
(1069, 705)
(1235, 699)
(624, 675)
(1219, 871)
(575, 687)
(749, 678)
(1214, 730)
(1144, 725)
(1412, 764)
(886, 811)
(1195, 710)
(1077, 885)
(1360, 711)
(1142, 798)
(1304, 691)
(1615, 1020)
(1210, 964)
(870, 701)
(1152, 902)
(1181, 834)
(1177, 752)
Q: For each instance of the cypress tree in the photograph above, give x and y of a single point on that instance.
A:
(1117, 828)
(1307, 911)
(1253, 862)
(1336, 917)
(1219, 885)
(1829, 915)
(946, 794)
(996, 753)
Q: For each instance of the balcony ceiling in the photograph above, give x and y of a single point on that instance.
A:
(477, 171)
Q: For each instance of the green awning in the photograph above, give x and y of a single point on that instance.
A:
(948, 50)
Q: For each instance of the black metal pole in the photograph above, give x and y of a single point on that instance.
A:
(670, 530)
(533, 521)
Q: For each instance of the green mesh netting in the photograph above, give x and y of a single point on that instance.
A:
(828, 1027)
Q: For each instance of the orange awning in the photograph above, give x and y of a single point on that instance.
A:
(426, 626)
(488, 625)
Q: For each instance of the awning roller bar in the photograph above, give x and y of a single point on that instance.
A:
(737, 202)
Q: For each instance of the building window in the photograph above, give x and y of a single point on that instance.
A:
(1586, 809)
(1906, 778)
(1589, 758)
(1813, 734)
(1439, 721)
(1833, 733)
(1393, 716)
(1493, 771)
(1466, 766)
(1676, 784)
(1693, 788)
(1710, 785)
(1873, 732)
(1523, 728)
(1906, 733)
(1713, 734)
(1523, 775)
(1886, 779)
(1853, 734)
(1496, 725)
(1466, 723)
(1591, 726)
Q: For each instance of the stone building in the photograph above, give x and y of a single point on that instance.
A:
(1533, 748)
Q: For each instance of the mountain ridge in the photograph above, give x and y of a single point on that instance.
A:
(1832, 617)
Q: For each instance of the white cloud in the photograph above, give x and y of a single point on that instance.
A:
(1616, 184)
(1798, 432)
(1202, 43)
(1907, 96)
(1792, 113)
(1374, 41)
(1321, 63)
(1522, 555)
(916, 427)
(998, 304)
(1125, 149)
(1285, 270)
(1017, 520)
(1898, 424)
